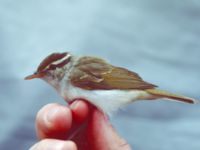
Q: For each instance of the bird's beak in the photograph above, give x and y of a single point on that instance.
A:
(33, 76)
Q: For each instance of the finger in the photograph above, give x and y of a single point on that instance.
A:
(80, 110)
(53, 121)
(49, 144)
(100, 128)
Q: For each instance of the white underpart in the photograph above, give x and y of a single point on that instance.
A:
(106, 100)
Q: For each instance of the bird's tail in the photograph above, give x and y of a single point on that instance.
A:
(156, 93)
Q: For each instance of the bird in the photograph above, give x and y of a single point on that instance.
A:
(102, 84)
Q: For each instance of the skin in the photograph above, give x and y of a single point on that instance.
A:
(77, 127)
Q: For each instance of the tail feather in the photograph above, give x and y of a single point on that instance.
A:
(164, 94)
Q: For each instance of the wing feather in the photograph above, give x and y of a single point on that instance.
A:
(94, 73)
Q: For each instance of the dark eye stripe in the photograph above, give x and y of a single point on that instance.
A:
(54, 66)
(49, 59)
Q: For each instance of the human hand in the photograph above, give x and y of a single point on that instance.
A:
(79, 126)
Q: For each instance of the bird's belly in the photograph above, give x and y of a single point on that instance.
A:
(106, 100)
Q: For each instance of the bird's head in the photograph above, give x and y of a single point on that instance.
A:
(52, 68)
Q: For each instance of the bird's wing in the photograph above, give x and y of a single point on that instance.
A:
(96, 74)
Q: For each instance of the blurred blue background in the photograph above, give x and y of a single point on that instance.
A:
(158, 39)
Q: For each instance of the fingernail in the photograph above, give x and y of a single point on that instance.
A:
(51, 115)
(58, 145)
(74, 105)
(68, 145)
